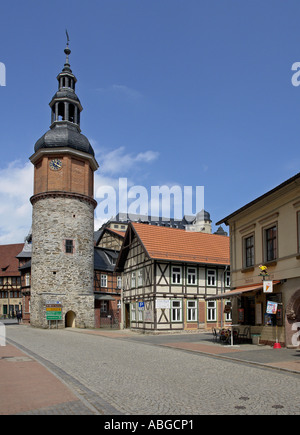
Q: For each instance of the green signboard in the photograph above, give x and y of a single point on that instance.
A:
(53, 310)
(54, 315)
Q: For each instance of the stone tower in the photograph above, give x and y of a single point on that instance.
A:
(63, 213)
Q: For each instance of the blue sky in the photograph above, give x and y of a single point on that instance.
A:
(175, 92)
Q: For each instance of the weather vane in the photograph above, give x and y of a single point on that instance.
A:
(68, 39)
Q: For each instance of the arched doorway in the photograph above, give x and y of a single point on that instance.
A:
(70, 319)
(293, 320)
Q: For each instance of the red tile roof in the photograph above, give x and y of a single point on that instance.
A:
(8, 262)
(174, 244)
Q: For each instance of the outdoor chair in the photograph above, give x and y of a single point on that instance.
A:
(245, 336)
(216, 335)
(236, 335)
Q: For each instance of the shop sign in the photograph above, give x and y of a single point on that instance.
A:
(271, 307)
(268, 286)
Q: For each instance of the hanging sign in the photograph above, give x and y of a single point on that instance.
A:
(272, 307)
(268, 286)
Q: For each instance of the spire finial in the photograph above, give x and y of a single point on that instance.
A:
(68, 39)
(67, 50)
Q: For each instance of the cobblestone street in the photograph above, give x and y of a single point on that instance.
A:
(123, 375)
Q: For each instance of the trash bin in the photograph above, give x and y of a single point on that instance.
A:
(255, 338)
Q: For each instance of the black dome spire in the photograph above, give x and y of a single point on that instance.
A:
(65, 114)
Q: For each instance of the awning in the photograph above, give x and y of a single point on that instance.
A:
(104, 297)
(238, 291)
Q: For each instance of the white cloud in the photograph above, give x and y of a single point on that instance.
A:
(118, 162)
(16, 187)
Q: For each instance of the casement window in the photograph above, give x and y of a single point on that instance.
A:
(227, 279)
(176, 275)
(133, 279)
(211, 311)
(119, 282)
(103, 306)
(249, 251)
(270, 243)
(228, 316)
(192, 311)
(211, 277)
(176, 311)
(140, 277)
(191, 276)
(69, 246)
(133, 312)
(103, 280)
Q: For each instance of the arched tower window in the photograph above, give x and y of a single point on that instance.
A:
(60, 112)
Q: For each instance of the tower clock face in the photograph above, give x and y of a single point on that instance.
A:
(55, 164)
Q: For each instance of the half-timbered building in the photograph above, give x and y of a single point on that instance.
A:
(167, 273)
(10, 280)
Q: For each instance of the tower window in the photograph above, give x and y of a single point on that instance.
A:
(71, 113)
(61, 112)
(69, 246)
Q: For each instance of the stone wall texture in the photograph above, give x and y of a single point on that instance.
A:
(57, 275)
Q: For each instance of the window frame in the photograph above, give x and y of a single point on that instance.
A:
(140, 277)
(178, 310)
(227, 278)
(103, 280)
(133, 279)
(103, 306)
(214, 276)
(211, 311)
(191, 274)
(119, 282)
(189, 310)
(71, 248)
(250, 248)
(273, 240)
(133, 312)
(177, 274)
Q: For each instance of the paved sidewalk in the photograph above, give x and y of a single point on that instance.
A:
(283, 359)
(28, 387)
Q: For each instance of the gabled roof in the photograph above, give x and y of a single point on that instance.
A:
(99, 234)
(172, 244)
(8, 262)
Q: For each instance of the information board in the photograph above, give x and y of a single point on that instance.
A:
(53, 310)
